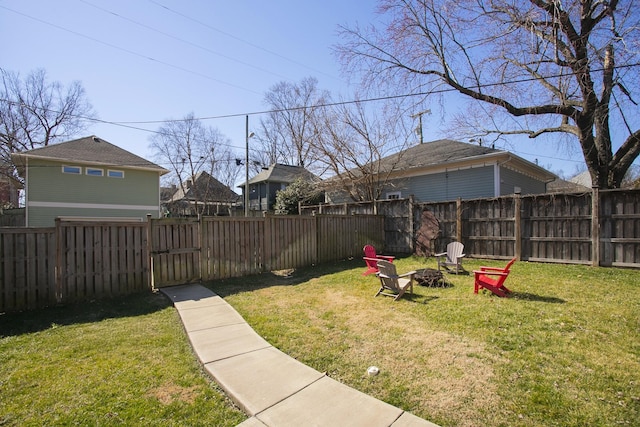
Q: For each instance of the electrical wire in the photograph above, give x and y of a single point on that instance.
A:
(130, 124)
(241, 40)
(187, 42)
(131, 52)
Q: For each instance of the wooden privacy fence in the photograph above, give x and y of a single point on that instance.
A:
(398, 220)
(81, 260)
(184, 251)
(600, 228)
(73, 261)
(27, 268)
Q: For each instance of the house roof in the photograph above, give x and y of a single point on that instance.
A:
(205, 188)
(448, 154)
(563, 186)
(278, 172)
(583, 178)
(89, 150)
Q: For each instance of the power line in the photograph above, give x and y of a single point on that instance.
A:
(181, 40)
(131, 52)
(240, 40)
(130, 124)
(374, 99)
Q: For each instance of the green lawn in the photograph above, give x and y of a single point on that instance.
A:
(109, 363)
(564, 350)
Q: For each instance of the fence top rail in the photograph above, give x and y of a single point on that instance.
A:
(23, 230)
(232, 218)
(102, 224)
(174, 220)
(349, 215)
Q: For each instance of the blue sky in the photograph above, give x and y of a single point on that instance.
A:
(152, 60)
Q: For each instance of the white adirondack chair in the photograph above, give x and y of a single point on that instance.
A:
(452, 258)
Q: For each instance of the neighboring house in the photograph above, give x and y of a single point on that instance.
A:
(264, 186)
(205, 195)
(9, 188)
(583, 179)
(87, 178)
(446, 170)
(564, 186)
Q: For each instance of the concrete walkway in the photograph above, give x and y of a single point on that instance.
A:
(273, 388)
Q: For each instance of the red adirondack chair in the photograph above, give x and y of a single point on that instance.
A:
(493, 278)
(371, 259)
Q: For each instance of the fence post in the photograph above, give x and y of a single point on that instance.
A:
(149, 254)
(57, 235)
(595, 226)
(202, 258)
(459, 219)
(265, 241)
(412, 240)
(517, 224)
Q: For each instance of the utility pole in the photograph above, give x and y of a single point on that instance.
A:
(419, 128)
(246, 168)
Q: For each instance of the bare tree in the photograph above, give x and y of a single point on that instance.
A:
(553, 66)
(287, 132)
(35, 112)
(188, 148)
(351, 142)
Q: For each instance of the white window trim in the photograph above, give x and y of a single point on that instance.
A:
(394, 195)
(115, 170)
(87, 169)
(72, 173)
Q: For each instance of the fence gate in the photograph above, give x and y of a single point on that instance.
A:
(175, 251)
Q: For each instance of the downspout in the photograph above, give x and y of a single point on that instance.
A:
(496, 179)
(26, 192)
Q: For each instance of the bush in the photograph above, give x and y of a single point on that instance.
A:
(298, 191)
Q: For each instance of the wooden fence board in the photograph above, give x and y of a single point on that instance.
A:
(175, 251)
(80, 260)
(26, 273)
(97, 259)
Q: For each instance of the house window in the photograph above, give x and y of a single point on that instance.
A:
(95, 172)
(394, 195)
(115, 174)
(76, 170)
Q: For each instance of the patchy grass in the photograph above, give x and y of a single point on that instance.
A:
(564, 350)
(120, 362)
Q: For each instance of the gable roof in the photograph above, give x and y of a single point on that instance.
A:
(583, 178)
(564, 186)
(281, 173)
(449, 154)
(205, 188)
(89, 150)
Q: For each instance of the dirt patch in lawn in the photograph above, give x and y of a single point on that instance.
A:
(170, 393)
(448, 376)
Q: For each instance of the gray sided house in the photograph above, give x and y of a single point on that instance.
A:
(87, 178)
(264, 186)
(202, 195)
(446, 170)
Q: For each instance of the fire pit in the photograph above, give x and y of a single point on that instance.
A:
(430, 277)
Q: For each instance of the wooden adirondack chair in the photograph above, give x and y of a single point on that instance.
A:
(392, 284)
(452, 257)
(484, 279)
(371, 259)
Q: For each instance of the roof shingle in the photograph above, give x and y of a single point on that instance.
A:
(94, 150)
